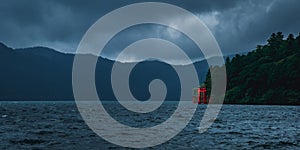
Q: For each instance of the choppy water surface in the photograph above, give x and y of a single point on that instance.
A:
(49, 125)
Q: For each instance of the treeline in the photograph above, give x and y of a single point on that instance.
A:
(270, 74)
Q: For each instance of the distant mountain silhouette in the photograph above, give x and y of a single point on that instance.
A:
(41, 73)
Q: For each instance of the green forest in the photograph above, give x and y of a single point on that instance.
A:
(270, 74)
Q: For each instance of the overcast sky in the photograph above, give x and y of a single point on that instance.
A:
(238, 26)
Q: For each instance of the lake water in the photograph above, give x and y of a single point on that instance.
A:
(58, 125)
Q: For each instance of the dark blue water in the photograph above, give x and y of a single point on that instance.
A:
(58, 125)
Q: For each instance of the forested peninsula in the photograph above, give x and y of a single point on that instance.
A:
(270, 74)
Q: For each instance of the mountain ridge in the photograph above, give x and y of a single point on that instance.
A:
(51, 50)
(41, 73)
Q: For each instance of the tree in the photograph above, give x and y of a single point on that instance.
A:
(275, 40)
(267, 75)
(290, 44)
(297, 45)
(207, 82)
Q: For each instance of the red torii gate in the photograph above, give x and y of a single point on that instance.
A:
(199, 95)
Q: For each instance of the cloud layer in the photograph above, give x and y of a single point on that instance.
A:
(237, 25)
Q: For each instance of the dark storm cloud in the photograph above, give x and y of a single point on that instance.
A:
(251, 23)
(60, 24)
(49, 23)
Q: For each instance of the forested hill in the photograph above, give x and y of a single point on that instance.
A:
(270, 74)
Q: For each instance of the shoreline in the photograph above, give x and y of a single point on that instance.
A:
(113, 101)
